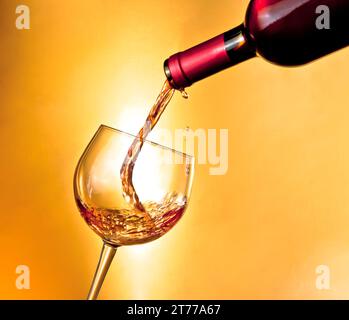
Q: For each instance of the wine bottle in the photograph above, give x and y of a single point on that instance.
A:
(284, 32)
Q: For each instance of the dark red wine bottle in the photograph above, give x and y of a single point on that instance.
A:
(284, 32)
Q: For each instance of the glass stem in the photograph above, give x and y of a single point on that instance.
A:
(104, 262)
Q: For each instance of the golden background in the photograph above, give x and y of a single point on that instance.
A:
(257, 232)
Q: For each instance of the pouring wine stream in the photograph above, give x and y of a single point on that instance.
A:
(126, 171)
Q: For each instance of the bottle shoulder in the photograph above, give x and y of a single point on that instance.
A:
(286, 32)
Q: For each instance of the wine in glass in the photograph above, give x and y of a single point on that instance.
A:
(161, 176)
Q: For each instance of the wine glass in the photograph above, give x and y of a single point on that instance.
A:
(162, 178)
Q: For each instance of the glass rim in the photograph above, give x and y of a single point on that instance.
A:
(191, 157)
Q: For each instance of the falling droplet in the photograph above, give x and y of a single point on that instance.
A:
(185, 94)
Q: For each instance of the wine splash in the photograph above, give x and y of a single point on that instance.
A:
(126, 171)
(129, 226)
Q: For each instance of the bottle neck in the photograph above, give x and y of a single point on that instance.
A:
(228, 49)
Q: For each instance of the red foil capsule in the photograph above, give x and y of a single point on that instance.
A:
(198, 62)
